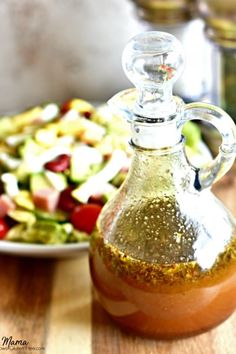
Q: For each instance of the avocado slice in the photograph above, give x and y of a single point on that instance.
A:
(45, 232)
(57, 180)
(22, 216)
(57, 216)
(24, 200)
(39, 181)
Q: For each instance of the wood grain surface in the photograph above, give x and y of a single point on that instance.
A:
(50, 304)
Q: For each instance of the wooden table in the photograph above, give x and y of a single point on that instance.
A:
(49, 303)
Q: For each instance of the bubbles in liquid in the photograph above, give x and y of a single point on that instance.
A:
(156, 231)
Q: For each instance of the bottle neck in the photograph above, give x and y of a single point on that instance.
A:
(158, 125)
(155, 136)
(159, 101)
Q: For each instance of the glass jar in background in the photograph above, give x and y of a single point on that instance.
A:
(179, 17)
(220, 20)
(220, 28)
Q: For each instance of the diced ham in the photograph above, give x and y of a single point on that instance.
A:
(6, 204)
(46, 199)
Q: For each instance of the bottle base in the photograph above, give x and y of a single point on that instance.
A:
(163, 335)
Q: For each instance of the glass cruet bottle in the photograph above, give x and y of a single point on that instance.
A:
(163, 256)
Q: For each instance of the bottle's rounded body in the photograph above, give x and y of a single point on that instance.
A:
(163, 257)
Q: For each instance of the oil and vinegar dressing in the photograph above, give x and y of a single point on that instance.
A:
(157, 273)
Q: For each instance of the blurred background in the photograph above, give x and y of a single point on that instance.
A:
(53, 50)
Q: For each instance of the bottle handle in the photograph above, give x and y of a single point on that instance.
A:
(213, 171)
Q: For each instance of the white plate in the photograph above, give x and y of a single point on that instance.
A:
(39, 251)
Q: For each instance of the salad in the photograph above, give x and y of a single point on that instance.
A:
(59, 166)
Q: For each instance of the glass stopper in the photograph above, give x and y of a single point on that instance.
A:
(153, 61)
